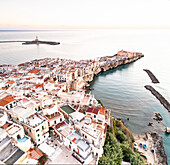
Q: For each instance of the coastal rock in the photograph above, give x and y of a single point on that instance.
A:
(159, 150)
(150, 124)
(158, 117)
(167, 130)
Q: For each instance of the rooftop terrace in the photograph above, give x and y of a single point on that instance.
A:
(67, 109)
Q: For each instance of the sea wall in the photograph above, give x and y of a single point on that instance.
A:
(162, 100)
(151, 75)
(119, 60)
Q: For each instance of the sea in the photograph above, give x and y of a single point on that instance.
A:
(122, 89)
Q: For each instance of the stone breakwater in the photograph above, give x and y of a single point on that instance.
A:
(159, 97)
(158, 149)
(151, 75)
(33, 42)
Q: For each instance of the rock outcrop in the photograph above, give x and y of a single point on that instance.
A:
(159, 151)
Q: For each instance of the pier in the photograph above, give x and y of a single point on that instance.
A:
(36, 41)
(151, 75)
(159, 97)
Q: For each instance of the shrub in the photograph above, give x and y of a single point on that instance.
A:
(136, 159)
(121, 136)
(127, 152)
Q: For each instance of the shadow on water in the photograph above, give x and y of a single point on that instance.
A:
(111, 71)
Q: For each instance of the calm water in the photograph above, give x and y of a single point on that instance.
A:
(122, 89)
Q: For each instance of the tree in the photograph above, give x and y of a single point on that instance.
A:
(127, 151)
(136, 159)
(112, 151)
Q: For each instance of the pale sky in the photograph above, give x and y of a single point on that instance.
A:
(54, 14)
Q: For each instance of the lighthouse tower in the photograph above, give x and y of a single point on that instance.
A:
(36, 38)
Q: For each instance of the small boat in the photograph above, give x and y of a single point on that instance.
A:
(144, 146)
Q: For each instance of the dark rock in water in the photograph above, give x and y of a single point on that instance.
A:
(158, 117)
(150, 124)
(159, 149)
(127, 118)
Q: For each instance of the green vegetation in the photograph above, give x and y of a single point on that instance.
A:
(119, 146)
(99, 102)
(112, 150)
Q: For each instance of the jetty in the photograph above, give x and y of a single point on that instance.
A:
(151, 75)
(162, 100)
(36, 41)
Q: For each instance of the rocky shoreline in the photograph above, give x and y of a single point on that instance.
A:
(151, 75)
(159, 97)
(159, 151)
(154, 152)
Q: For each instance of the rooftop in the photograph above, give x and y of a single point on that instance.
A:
(6, 100)
(94, 110)
(93, 132)
(67, 109)
(35, 120)
(34, 154)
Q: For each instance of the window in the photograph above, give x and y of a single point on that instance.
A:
(30, 130)
(39, 108)
(38, 139)
(42, 127)
(10, 105)
(38, 135)
(44, 136)
(37, 130)
(85, 136)
(54, 122)
(94, 116)
(60, 119)
(7, 107)
(35, 109)
(17, 118)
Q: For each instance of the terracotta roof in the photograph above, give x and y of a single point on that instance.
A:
(38, 85)
(102, 111)
(10, 82)
(59, 125)
(9, 98)
(94, 110)
(14, 70)
(19, 73)
(5, 88)
(5, 126)
(34, 154)
(3, 102)
(6, 100)
(35, 71)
